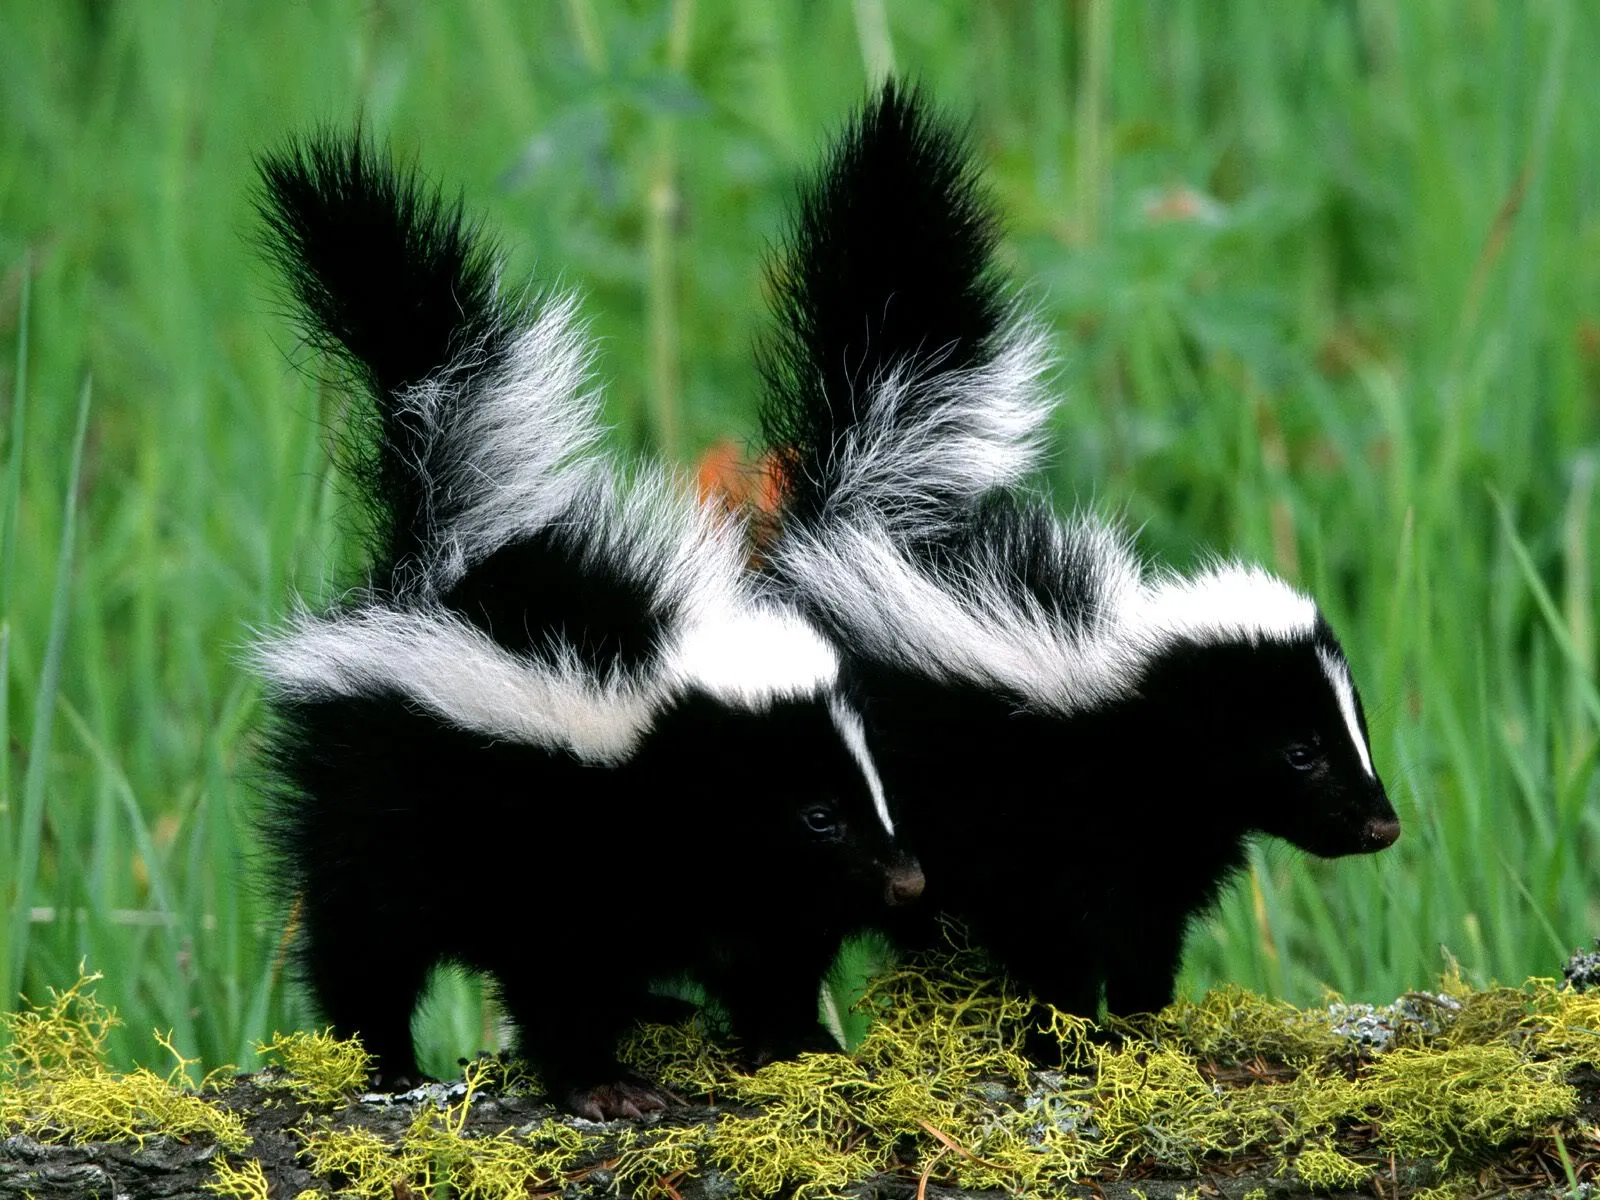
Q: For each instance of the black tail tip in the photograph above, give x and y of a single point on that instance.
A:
(386, 271)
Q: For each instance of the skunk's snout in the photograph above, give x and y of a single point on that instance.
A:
(1380, 832)
(905, 882)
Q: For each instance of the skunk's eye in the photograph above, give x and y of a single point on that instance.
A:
(1301, 756)
(819, 818)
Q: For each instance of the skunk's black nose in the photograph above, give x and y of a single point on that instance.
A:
(1380, 832)
(905, 882)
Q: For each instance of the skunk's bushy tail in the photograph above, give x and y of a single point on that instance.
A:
(901, 381)
(478, 408)
(392, 284)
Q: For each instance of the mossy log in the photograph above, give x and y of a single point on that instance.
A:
(163, 1167)
(1452, 1094)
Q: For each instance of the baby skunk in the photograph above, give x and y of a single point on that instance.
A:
(1081, 746)
(559, 736)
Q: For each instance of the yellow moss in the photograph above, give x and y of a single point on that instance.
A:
(248, 1182)
(437, 1152)
(680, 1057)
(1230, 1024)
(1436, 1102)
(320, 1069)
(941, 1078)
(771, 1153)
(1315, 1101)
(947, 1014)
(511, 1076)
(828, 1120)
(1152, 1100)
(1323, 1167)
(1567, 1025)
(808, 1135)
(55, 1085)
(1489, 1016)
(648, 1159)
(66, 1036)
(487, 1166)
(1450, 1189)
(1073, 1037)
(939, 1086)
(369, 1164)
(1032, 1149)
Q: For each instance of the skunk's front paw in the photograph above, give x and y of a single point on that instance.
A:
(630, 1098)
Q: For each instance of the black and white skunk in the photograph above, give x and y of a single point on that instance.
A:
(1081, 746)
(559, 736)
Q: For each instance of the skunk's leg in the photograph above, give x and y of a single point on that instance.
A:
(1071, 987)
(1054, 961)
(366, 976)
(1142, 972)
(771, 999)
(569, 1034)
(1059, 968)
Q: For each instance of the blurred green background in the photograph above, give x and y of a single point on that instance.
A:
(1326, 288)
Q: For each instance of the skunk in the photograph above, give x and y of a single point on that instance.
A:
(1082, 745)
(560, 735)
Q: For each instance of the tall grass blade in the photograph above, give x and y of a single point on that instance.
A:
(37, 777)
(1579, 607)
(19, 411)
(1093, 94)
(8, 532)
(1582, 684)
(661, 245)
(874, 39)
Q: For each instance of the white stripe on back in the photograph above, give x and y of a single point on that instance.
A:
(437, 660)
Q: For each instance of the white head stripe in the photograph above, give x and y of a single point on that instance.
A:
(849, 726)
(1339, 677)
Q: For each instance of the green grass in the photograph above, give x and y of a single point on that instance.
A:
(1369, 357)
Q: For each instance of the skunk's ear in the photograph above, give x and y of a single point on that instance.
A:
(899, 378)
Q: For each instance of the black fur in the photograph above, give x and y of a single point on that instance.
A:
(1076, 836)
(412, 839)
(1017, 547)
(411, 844)
(552, 587)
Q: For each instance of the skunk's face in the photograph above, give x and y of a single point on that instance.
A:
(807, 816)
(1282, 721)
